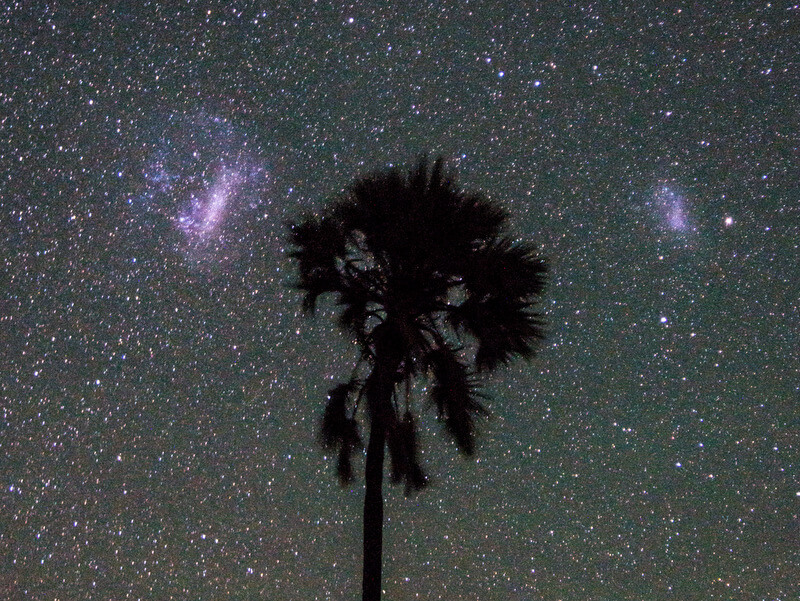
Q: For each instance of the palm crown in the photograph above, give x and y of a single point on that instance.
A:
(430, 284)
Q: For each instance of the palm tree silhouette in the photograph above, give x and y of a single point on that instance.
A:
(430, 285)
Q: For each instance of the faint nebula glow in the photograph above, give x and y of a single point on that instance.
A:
(206, 180)
(207, 210)
(671, 210)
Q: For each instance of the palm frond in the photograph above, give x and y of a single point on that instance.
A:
(355, 300)
(503, 268)
(339, 430)
(344, 464)
(404, 454)
(420, 220)
(454, 394)
(504, 328)
(470, 220)
(502, 282)
(458, 218)
(318, 243)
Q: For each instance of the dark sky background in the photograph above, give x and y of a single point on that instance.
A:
(161, 392)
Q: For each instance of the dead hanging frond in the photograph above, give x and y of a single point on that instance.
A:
(404, 454)
(339, 430)
(454, 392)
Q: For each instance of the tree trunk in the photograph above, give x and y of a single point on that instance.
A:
(373, 516)
(378, 388)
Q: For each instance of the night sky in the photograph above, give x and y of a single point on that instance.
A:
(160, 391)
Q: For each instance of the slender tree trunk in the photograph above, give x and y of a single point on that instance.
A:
(379, 388)
(373, 516)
